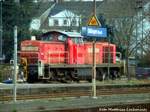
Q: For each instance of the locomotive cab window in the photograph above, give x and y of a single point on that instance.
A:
(77, 40)
(47, 38)
(62, 38)
(54, 37)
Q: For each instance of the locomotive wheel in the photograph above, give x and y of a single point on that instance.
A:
(98, 75)
(68, 77)
(101, 74)
(32, 77)
(61, 77)
(51, 75)
(74, 77)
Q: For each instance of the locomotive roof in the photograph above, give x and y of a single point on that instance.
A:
(68, 34)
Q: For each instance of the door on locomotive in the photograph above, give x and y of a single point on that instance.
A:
(73, 45)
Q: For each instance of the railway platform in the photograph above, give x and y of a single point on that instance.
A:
(64, 104)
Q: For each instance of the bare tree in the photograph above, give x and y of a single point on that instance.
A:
(122, 16)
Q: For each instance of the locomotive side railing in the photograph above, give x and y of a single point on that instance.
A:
(115, 57)
(107, 57)
(112, 59)
(32, 57)
(58, 57)
(118, 57)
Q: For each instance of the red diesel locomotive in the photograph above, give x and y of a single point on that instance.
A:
(64, 56)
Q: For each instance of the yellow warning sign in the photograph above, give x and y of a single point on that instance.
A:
(93, 21)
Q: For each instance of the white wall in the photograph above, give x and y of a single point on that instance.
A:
(65, 15)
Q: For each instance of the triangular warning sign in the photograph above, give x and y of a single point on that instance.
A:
(93, 21)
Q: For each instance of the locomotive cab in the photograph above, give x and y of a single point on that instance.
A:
(57, 36)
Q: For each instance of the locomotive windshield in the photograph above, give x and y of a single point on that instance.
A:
(54, 37)
(77, 40)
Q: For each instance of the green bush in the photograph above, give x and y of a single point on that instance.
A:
(0, 74)
(4, 70)
(14, 110)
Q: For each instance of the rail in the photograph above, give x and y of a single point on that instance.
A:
(62, 92)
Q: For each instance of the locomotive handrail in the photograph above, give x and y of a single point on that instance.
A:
(105, 57)
(34, 57)
(119, 55)
(37, 53)
(28, 52)
(51, 60)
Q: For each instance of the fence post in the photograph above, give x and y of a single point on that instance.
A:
(15, 64)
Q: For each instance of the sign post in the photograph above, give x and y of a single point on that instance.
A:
(95, 31)
(92, 32)
(94, 56)
(94, 71)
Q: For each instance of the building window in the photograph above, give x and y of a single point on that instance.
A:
(35, 24)
(56, 23)
(65, 22)
(74, 22)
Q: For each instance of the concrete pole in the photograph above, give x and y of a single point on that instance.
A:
(94, 71)
(15, 64)
(109, 56)
(94, 7)
(94, 59)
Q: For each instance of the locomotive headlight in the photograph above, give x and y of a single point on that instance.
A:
(42, 54)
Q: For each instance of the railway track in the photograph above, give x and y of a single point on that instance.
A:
(70, 92)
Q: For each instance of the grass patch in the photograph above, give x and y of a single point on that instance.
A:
(14, 110)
